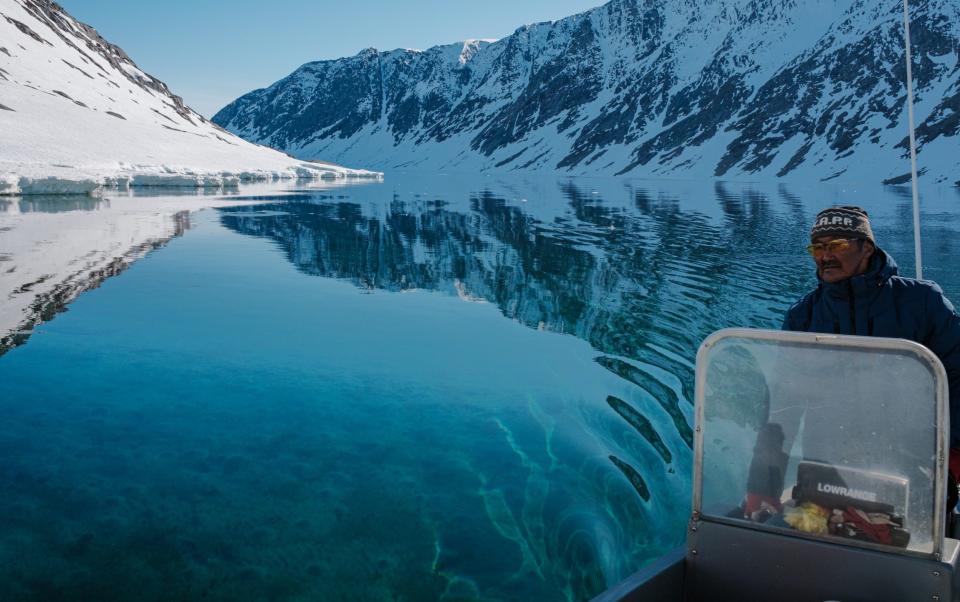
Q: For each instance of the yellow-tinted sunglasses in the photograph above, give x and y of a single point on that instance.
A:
(838, 245)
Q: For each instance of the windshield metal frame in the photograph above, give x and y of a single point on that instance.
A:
(859, 342)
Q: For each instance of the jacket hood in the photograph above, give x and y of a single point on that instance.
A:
(881, 269)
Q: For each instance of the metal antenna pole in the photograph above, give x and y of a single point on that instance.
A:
(913, 145)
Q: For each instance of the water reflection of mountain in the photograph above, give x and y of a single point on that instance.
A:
(645, 281)
(51, 204)
(55, 247)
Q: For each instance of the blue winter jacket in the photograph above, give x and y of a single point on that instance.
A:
(881, 303)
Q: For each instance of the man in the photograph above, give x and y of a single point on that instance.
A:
(860, 293)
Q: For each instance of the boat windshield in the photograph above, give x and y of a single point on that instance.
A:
(823, 436)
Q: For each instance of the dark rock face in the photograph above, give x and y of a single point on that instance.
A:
(712, 88)
(558, 88)
(349, 98)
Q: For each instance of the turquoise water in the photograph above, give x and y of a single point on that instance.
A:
(430, 388)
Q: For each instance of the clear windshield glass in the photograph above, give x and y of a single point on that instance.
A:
(831, 440)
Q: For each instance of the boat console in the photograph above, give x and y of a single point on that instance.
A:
(820, 474)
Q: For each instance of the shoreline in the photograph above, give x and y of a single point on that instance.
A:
(67, 180)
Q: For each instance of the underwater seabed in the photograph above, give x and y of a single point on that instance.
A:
(300, 507)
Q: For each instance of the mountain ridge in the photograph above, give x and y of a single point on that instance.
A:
(702, 88)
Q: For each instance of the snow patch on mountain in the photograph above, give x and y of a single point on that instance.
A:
(76, 114)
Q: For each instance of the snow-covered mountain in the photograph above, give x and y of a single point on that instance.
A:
(76, 113)
(797, 89)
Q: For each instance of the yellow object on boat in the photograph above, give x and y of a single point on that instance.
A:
(807, 517)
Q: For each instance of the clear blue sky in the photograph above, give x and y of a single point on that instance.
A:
(211, 51)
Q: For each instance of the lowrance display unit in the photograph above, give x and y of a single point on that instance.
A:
(859, 504)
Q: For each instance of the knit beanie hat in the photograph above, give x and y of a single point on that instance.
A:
(846, 221)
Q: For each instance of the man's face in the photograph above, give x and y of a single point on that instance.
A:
(836, 264)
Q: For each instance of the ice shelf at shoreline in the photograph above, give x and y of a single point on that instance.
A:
(57, 179)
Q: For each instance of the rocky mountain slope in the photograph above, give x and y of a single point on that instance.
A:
(76, 114)
(797, 89)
